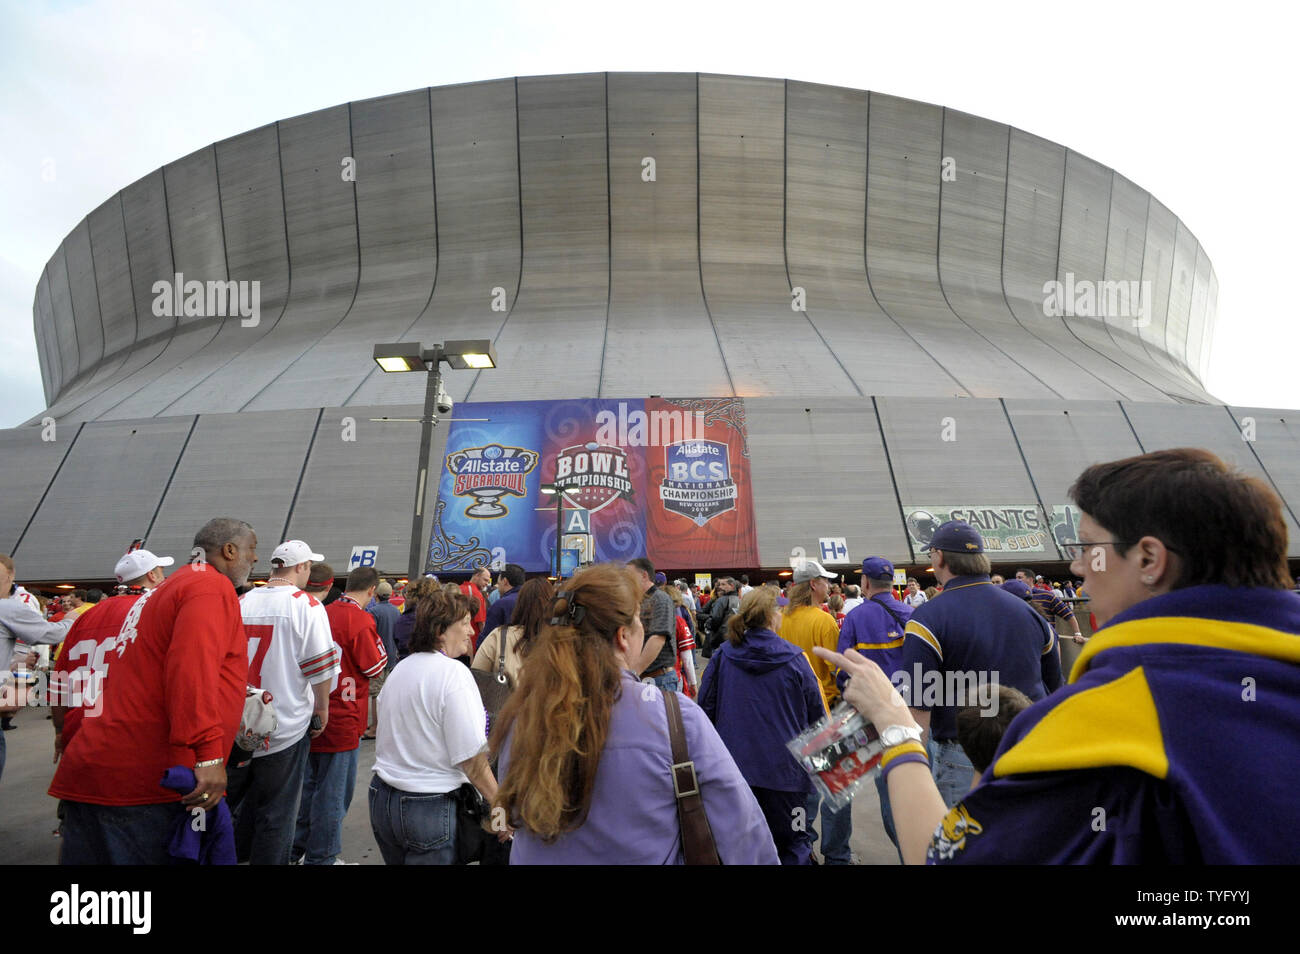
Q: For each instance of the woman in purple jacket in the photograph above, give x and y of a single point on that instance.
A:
(585, 757)
(760, 692)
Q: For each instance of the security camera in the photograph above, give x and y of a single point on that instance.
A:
(443, 401)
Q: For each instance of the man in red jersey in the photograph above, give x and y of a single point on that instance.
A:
(474, 588)
(83, 665)
(175, 697)
(332, 765)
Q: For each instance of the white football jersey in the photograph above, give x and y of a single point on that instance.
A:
(290, 649)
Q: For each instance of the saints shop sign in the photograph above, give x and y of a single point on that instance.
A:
(668, 479)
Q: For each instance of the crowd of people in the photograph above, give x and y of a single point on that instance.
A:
(620, 717)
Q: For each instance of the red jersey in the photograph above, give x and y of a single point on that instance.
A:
(176, 696)
(362, 656)
(478, 616)
(78, 677)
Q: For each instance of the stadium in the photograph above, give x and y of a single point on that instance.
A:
(881, 313)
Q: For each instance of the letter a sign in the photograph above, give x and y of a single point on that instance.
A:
(577, 520)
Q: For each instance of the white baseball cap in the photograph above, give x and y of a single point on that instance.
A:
(137, 563)
(810, 571)
(293, 552)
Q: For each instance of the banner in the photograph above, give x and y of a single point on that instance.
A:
(657, 478)
(1017, 528)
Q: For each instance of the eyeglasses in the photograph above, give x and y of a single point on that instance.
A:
(1073, 551)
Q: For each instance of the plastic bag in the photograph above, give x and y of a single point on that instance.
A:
(840, 754)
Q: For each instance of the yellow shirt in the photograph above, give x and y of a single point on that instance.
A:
(810, 626)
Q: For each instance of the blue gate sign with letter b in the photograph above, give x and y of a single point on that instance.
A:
(363, 556)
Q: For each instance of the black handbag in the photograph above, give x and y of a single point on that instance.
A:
(471, 809)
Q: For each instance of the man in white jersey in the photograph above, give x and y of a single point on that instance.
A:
(291, 653)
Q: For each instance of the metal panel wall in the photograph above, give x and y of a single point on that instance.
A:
(1031, 257)
(252, 222)
(550, 345)
(1180, 297)
(236, 465)
(992, 242)
(198, 249)
(85, 301)
(321, 220)
(1198, 313)
(397, 226)
(1158, 269)
(104, 497)
(825, 211)
(1085, 214)
(475, 155)
(654, 244)
(1060, 440)
(980, 465)
(53, 362)
(29, 465)
(1162, 426)
(904, 165)
(56, 278)
(1277, 445)
(795, 505)
(359, 492)
(769, 348)
(112, 278)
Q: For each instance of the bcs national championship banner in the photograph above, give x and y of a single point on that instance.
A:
(658, 478)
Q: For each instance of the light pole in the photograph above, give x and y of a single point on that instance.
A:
(559, 521)
(412, 356)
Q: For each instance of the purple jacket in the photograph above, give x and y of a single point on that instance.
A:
(760, 695)
(633, 816)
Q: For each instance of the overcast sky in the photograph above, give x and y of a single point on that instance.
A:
(1195, 103)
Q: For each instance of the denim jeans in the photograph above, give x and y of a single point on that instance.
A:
(668, 681)
(793, 845)
(411, 828)
(835, 832)
(326, 797)
(264, 798)
(117, 834)
(952, 770)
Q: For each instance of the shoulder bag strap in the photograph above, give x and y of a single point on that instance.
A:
(501, 657)
(697, 838)
(897, 619)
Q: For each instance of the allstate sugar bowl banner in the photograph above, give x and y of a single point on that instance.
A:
(664, 478)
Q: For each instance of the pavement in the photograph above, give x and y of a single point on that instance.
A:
(28, 823)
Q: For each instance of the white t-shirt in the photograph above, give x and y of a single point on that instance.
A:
(290, 649)
(431, 718)
(915, 599)
(852, 603)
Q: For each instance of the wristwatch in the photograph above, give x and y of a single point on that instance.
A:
(892, 735)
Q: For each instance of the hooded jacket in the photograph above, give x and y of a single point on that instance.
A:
(760, 695)
(1176, 742)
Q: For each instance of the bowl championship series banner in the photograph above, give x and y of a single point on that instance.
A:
(667, 479)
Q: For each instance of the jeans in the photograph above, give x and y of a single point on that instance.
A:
(836, 829)
(326, 797)
(264, 798)
(793, 845)
(412, 828)
(117, 834)
(668, 681)
(952, 770)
